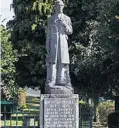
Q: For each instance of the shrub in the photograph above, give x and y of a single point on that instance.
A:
(104, 109)
(22, 98)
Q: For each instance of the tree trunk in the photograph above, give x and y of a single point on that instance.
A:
(96, 101)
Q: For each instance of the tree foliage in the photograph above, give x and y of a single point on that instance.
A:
(103, 110)
(95, 65)
(28, 37)
(8, 69)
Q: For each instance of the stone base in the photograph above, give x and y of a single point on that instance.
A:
(49, 89)
(59, 111)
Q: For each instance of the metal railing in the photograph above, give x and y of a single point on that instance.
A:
(85, 117)
(13, 116)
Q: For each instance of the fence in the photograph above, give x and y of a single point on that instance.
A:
(13, 117)
(85, 117)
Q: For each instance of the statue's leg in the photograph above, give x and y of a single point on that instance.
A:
(63, 77)
(51, 74)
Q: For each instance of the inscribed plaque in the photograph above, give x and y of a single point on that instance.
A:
(60, 112)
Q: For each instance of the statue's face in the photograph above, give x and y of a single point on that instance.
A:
(59, 7)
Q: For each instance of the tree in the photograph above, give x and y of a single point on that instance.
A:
(95, 65)
(8, 69)
(108, 34)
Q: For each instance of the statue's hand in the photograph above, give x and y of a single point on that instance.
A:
(64, 24)
(67, 26)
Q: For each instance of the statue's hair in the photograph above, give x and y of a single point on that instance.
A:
(59, 1)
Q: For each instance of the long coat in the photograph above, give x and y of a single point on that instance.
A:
(56, 41)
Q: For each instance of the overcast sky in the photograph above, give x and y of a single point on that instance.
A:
(5, 12)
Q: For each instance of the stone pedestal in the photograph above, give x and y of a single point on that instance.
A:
(49, 89)
(59, 111)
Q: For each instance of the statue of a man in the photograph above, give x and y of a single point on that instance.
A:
(58, 28)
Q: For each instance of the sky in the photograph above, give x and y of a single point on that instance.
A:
(5, 13)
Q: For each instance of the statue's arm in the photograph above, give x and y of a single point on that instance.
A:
(68, 27)
(48, 36)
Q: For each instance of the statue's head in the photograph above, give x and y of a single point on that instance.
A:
(59, 5)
